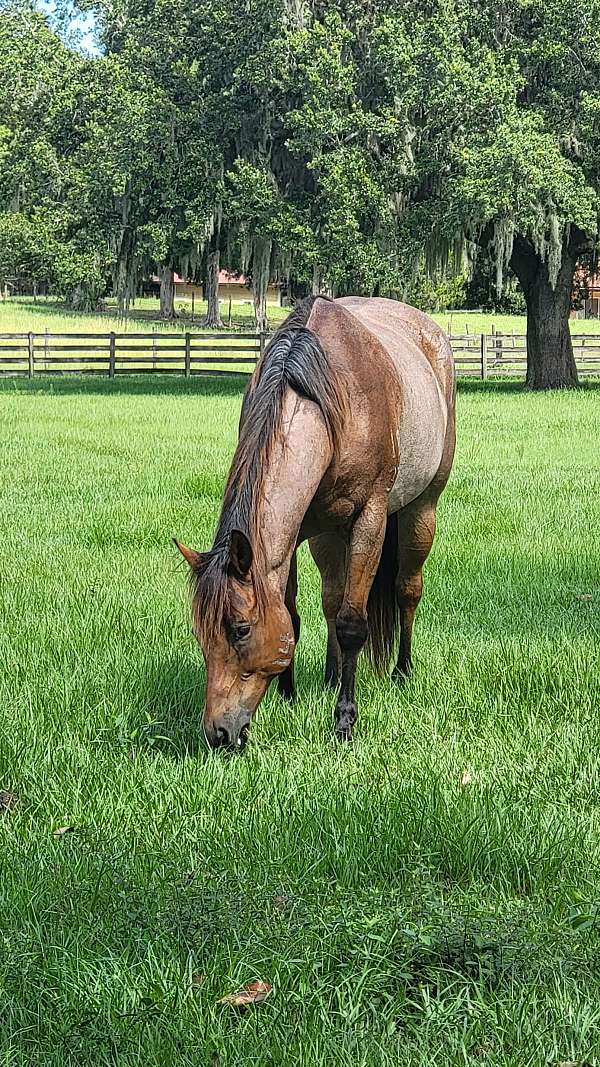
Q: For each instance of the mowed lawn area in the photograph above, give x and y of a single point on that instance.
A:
(21, 314)
(428, 895)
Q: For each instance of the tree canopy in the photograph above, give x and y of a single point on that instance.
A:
(339, 146)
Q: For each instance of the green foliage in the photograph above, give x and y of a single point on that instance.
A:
(28, 248)
(437, 290)
(481, 291)
(359, 145)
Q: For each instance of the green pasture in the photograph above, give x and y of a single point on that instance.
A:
(429, 895)
(22, 314)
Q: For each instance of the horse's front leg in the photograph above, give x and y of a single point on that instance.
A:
(351, 624)
(285, 680)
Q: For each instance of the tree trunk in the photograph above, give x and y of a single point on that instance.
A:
(261, 263)
(316, 280)
(211, 288)
(82, 297)
(167, 292)
(550, 360)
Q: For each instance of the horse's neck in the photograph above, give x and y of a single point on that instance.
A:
(298, 461)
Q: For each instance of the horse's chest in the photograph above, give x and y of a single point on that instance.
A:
(420, 435)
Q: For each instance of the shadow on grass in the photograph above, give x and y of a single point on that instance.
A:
(515, 386)
(169, 717)
(167, 701)
(202, 385)
(210, 384)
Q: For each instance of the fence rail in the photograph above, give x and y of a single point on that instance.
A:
(114, 354)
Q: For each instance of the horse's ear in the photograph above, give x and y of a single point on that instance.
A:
(240, 554)
(190, 555)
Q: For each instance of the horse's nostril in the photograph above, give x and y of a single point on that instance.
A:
(222, 735)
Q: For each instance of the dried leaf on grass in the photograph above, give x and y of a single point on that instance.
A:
(62, 830)
(279, 903)
(466, 777)
(250, 996)
(198, 980)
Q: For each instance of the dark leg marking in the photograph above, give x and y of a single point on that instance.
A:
(285, 680)
(351, 629)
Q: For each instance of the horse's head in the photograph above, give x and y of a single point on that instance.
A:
(245, 632)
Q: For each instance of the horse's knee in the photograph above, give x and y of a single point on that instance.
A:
(351, 630)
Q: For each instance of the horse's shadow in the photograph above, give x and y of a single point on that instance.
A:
(167, 718)
(165, 712)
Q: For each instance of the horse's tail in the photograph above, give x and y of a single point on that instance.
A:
(382, 609)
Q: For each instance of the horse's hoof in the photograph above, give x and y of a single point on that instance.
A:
(343, 733)
(400, 674)
(344, 726)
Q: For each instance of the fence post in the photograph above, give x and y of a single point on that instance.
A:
(30, 353)
(484, 359)
(187, 354)
(45, 348)
(154, 348)
(111, 356)
(261, 344)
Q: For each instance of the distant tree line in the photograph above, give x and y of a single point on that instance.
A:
(378, 148)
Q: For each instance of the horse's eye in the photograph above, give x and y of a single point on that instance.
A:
(241, 630)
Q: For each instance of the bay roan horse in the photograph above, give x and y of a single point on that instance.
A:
(346, 440)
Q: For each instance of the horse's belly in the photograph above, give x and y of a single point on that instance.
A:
(421, 437)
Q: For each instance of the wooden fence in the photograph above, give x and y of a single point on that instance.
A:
(113, 354)
(494, 355)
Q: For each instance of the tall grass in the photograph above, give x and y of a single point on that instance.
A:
(428, 895)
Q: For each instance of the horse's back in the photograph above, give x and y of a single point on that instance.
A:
(422, 359)
(407, 335)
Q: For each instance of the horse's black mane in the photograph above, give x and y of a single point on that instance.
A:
(293, 359)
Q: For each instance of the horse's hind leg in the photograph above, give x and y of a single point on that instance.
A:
(416, 530)
(285, 680)
(329, 553)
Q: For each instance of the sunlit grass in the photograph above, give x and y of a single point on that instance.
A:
(22, 314)
(437, 883)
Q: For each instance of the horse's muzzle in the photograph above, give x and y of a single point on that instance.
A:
(229, 730)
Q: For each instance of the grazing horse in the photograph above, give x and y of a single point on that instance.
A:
(346, 440)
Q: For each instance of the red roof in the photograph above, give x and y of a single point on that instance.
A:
(225, 278)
